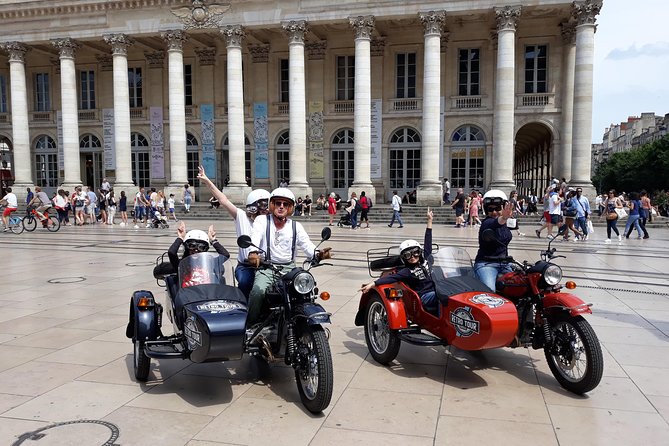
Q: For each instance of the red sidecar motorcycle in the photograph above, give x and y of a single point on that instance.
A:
(528, 309)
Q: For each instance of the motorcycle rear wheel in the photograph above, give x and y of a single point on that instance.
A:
(315, 375)
(141, 362)
(575, 358)
(382, 342)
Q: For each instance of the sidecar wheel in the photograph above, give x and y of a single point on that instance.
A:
(382, 342)
(142, 362)
(575, 358)
(314, 373)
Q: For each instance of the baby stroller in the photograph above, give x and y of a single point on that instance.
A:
(159, 221)
(345, 219)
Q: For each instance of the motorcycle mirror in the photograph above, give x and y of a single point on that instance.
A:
(326, 233)
(244, 241)
(489, 236)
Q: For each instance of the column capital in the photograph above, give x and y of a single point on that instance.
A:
(316, 50)
(507, 18)
(378, 46)
(296, 30)
(363, 26)
(119, 43)
(175, 39)
(66, 46)
(586, 12)
(105, 61)
(155, 59)
(568, 32)
(259, 53)
(16, 50)
(234, 34)
(433, 22)
(206, 56)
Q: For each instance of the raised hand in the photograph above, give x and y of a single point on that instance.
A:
(181, 230)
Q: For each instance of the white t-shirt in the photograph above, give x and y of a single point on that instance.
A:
(244, 226)
(138, 200)
(12, 202)
(554, 204)
(170, 203)
(281, 241)
(396, 202)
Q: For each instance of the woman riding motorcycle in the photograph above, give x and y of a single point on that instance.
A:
(416, 271)
(194, 241)
(489, 259)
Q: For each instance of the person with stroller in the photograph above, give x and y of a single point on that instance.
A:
(194, 241)
(416, 273)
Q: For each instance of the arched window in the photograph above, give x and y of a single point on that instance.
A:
(467, 156)
(141, 160)
(224, 168)
(46, 163)
(342, 161)
(192, 158)
(404, 169)
(283, 156)
(89, 141)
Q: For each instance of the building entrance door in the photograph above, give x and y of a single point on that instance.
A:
(404, 170)
(92, 173)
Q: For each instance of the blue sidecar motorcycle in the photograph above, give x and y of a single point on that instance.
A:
(209, 324)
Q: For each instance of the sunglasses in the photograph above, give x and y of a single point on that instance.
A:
(415, 252)
(284, 203)
(258, 206)
(197, 246)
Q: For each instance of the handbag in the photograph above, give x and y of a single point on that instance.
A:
(591, 227)
(511, 223)
(400, 211)
(621, 213)
(612, 216)
(570, 212)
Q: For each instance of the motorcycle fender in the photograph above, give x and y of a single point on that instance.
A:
(142, 324)
(566, 301)
(315, 314)
(397, 317)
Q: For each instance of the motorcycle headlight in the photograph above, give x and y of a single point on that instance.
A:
(304, 283)
(552, 275)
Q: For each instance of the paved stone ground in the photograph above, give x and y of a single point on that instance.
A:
(64, 356)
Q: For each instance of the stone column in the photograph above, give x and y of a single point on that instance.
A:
(503, 120)
(70, 111)
(177, 112)
(258, 82)
(120, 44)
(362, 106)
(296, 29)
(20, 129)
(430, 190)
(318, 162)
(237, 189)
(561, 159)
(585, 14)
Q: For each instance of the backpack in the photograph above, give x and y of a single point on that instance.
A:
(358, 206)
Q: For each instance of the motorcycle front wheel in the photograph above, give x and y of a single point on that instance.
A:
(382, 342)
(575, 356)
(314, 373)
(141, 362)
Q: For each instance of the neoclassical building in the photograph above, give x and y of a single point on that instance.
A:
(332, 96)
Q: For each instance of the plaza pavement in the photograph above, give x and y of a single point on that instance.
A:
(64, 355)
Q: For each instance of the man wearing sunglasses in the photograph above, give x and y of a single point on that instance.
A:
(416, 271)
(257, 203)
(277, 236)
(194, 241)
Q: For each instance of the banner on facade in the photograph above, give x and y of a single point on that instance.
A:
(157, 143)
(108, 137)
(376, 134)
(261, 140)
(61, 149)
(442, 155)
(208, 140)
(316, 130)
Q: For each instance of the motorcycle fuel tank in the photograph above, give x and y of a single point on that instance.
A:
(215, 330)
(480, 320)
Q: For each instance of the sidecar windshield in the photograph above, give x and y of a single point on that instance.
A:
(450, 262)
(200, 269)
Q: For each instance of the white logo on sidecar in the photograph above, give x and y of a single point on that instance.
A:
(464, 323)
(220, 306)
(193, 336)
(488, 300)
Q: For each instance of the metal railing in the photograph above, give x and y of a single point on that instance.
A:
(466, 102)
(88, 115)
(535, 99)
(405, 104)
(341, 107)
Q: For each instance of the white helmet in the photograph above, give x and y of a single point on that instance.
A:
(494, 197)
(282, 192)
(409, 245)
(257, 195)
(197, 240)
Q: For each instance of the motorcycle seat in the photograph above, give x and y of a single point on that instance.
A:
(457, 285)
(386, 263)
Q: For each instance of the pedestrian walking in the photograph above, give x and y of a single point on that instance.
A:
(396, 204)
(353, 210)
(611, 204)
(123, 209)
(332, 207)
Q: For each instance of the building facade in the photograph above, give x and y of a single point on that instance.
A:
(393, 95)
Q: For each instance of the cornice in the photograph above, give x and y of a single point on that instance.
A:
(39, 9)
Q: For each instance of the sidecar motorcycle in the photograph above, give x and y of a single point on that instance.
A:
(528, 309)
(209, 323)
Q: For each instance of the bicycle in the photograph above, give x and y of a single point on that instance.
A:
(30, 220)
(14, 223)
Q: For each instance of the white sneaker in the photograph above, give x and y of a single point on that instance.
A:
(620, 238)
(136, 227)
(585, 238)
(607, 241)
(521, 234)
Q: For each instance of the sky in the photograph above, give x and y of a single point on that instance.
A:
(631, 68)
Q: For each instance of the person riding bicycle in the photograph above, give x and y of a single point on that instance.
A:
(11, 204)
(416, 271)
(41, 202)
(489, 260)
(278, 236)
(194, 241)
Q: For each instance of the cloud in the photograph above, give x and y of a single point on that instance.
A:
(649, 49)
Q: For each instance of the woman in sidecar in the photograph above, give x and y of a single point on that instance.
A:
(194, 241)
(416, 271)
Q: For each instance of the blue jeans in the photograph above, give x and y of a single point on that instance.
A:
(633, 220)
(487, 272)
(396, 215)
(245, 275)
(354, 219)
(581, 224)
(430, 302)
